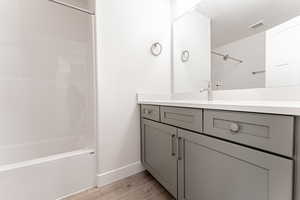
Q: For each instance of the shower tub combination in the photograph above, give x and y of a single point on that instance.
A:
(47, 98)
(48, 178)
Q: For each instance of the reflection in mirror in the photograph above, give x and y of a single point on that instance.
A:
(236, 44)
(192, 35)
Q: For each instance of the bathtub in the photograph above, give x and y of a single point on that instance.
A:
(49, 178)
(47, 99)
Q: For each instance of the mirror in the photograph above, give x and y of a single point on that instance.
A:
(235, 44)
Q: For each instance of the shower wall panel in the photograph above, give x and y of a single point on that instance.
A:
(47, 94)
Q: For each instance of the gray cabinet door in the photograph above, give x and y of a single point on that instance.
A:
(159, 153)
(211, 169)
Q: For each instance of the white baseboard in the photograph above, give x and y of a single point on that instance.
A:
(118, 174)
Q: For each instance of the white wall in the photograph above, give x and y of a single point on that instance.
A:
(182, 6)
(234, 75)
(282, 54)
(192, 33)
(126, 30)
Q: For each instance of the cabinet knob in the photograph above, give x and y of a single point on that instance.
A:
(234, 127)
(147, 112)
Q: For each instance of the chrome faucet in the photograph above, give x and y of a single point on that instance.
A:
(209, 91)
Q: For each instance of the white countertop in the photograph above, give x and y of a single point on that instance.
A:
(272, 107)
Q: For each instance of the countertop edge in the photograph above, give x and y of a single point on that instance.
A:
(230, 106)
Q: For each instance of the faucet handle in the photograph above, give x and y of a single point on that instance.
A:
(209, 86)
(203, 90)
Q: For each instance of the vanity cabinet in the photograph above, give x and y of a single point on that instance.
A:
(159, 153)
(199, 154)
(211, 169)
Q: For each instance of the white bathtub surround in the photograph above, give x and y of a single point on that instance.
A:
(47, 99)
(11, 154)
(47, 80)
(48, 178)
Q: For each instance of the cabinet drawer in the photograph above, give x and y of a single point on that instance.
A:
(274, 133)
(187, 118)
(150, 112)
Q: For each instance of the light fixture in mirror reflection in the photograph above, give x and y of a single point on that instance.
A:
(236, 44)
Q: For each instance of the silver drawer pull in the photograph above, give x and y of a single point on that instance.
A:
(148, 112)
(173, 137)
(180, 148)
(234, 127)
